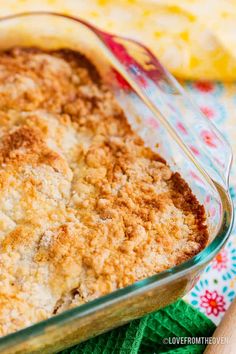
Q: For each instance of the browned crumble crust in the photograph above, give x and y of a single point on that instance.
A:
(85, 208)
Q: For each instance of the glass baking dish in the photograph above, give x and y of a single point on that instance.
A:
(159, 110)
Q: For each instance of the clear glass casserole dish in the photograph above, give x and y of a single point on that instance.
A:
(162, 114)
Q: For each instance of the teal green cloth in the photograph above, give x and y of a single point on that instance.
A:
(147, 334)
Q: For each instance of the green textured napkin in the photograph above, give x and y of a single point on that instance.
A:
(146, 335)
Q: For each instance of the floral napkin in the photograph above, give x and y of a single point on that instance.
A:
(217, 286)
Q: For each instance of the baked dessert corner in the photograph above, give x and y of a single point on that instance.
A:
(85, 207)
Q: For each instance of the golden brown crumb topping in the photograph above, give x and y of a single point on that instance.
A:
(85, 207)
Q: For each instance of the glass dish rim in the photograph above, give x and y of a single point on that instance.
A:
(161, 278)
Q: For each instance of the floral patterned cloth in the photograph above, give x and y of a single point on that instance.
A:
(217, 286)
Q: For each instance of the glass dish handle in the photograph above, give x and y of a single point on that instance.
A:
(198, 137)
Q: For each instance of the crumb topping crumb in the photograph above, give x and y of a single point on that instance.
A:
(85, 207)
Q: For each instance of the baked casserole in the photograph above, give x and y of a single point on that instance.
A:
(85, 207)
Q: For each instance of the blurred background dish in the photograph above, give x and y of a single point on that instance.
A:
(194, 39)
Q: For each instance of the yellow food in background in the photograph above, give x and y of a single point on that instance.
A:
(194, 39)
